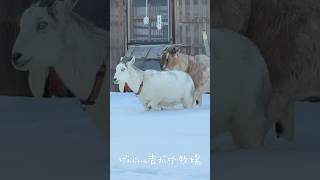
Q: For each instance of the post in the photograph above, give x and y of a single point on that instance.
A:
(206, 43)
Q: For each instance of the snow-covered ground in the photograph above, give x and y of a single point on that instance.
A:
(53, 139)
(48, 139)
(279, 160)
(174, 133)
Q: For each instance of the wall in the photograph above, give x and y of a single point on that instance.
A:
(191, 18)
(12, 82)
(117, 35)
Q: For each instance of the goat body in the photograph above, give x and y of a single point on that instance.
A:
(156, 89)
(166, 89)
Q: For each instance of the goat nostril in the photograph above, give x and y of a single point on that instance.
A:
(16, 57)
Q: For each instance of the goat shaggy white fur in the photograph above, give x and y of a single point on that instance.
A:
(242, 89)
(157, 89)
(52, 35)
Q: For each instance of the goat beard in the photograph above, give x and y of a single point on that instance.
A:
(124, 86)
(121, 86)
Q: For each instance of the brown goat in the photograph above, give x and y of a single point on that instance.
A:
(198, 67)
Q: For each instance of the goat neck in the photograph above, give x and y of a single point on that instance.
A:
(136, 79)
(191, 63)
(78, 68)
(184, 61)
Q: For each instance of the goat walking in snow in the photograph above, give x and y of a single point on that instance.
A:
(156, 89)
(198, 67)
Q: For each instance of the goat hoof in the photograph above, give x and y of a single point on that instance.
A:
(149, 108)
(197, 102)
(279, 129)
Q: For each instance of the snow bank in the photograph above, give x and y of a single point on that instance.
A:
(48, 139)
(280, 159)
(137, 133)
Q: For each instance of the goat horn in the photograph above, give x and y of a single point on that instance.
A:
(178, 45)
(125, 59)
(164, 49)
(171, 47)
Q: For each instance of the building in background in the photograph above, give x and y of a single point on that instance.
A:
(169, 21)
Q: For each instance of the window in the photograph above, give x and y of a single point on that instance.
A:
(158, 29)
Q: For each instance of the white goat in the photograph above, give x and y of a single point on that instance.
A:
(156, 89)
(53, 36)
(198, 67)
(242, 89)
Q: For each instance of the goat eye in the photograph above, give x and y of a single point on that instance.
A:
(42, 25)
(123, 69)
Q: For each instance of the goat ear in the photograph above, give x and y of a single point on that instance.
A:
(55, 9)
(36, 3)
(176, 49)
(70, 4)
(58, 8)
(131, 62)
(62, 6)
